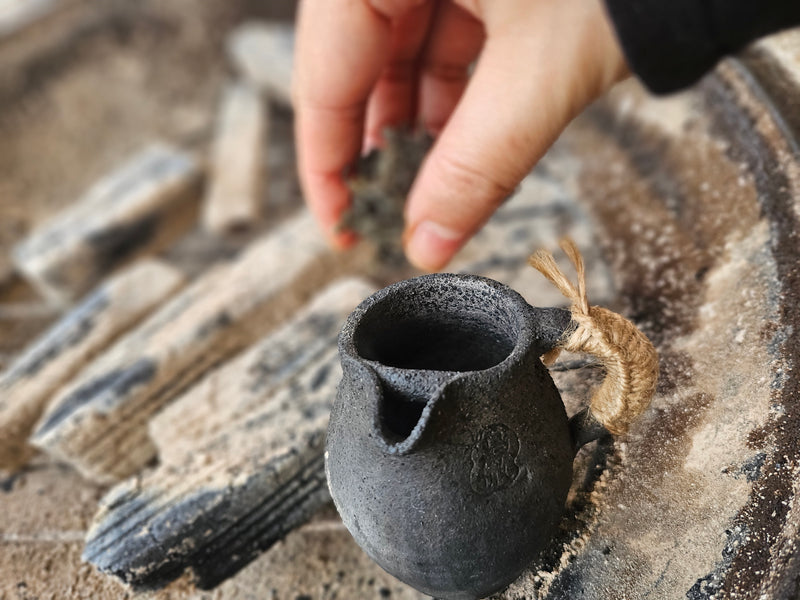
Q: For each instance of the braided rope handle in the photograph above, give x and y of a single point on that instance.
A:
(629, 358)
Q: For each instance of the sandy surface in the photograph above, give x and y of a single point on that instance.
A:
(689, 206)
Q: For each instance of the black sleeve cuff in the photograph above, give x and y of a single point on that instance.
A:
(670, 44)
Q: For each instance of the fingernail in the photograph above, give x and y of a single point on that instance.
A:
(431, 245)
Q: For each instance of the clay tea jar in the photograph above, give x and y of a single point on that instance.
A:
(449, 452)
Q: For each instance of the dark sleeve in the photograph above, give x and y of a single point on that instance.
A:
(670, 44)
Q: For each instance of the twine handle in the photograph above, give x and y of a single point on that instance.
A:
(630, 360)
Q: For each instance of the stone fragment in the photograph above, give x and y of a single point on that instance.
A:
(70, 344)
(263, 53)
(98, 422)
(230, 485)
(233, 201)
(379, 188)
(142, 205)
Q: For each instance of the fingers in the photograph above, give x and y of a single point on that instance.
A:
(394, 9)
(486, 148)
(531, 79)
(342, 46)
(393, 101)
(543, 62)
(455, 40)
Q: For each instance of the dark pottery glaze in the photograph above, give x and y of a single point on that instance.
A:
(449, 452)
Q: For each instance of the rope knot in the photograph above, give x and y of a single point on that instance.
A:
(629, 358)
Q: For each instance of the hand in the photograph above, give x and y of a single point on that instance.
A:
(363, 65)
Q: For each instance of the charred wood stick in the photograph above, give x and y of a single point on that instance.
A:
(239, 387)
(70, 344)
(218, 519)
(143, 205)
(263, 54)
(235, 183)
(98, 422)
(214, 505)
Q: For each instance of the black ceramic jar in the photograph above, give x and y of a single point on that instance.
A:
(449, 452)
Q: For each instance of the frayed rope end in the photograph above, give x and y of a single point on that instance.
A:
(629, 358)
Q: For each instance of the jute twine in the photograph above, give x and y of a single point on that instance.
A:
(630, 360)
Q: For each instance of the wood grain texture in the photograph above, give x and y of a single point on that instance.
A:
(132, 209)
(98, 422)
(239, 387)
(241, 459)
(71, 343)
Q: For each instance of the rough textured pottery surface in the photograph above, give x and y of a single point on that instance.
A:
(449, 452)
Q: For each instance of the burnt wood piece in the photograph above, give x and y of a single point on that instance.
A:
(239, 387)
(263, 54)
(98, 422)
(142, 205)
(230, 486)
(73, 341)
(233, 201)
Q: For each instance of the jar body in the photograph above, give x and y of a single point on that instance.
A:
(449, 454)
(481, 493)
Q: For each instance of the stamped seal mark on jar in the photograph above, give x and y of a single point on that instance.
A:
(494, 459)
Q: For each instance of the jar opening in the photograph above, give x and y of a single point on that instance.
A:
(436, 342)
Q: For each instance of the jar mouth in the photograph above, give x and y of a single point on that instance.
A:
(419, 337)
(440, 322)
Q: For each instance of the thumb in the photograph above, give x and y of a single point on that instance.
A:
(527, 86)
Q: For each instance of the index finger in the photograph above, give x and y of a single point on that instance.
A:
(341, 48)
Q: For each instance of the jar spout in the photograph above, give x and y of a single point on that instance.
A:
(404, 405)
